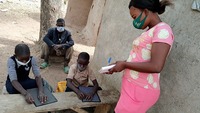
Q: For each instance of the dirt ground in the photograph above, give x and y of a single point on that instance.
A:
(20, 21)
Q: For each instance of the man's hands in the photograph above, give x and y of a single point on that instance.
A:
(57, 47)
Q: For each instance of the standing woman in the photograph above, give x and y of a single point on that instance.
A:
(140, 82)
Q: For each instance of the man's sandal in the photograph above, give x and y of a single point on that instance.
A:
(66, 69)
(44, 65)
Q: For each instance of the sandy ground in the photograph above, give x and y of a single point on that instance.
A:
(20, 21)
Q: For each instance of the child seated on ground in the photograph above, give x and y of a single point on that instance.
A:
(79, 75)
(18, 80)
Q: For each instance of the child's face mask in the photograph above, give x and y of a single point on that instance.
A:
(81, 67)
(82, 64)
(22, 63)
(137, 23)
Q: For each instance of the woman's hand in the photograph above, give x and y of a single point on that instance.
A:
(29, 98)
(42, 97)
(119, 66)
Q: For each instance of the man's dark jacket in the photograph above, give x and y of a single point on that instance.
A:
(52, 37)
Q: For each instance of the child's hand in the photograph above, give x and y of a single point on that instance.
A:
(89, 96)
(42, 97)
(80, 95)
(29, 98)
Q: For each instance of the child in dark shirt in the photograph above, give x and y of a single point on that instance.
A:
(18, 80)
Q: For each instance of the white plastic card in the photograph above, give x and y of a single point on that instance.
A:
(106, 68)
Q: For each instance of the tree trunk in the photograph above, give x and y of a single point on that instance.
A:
(93, 25)
(50, 12)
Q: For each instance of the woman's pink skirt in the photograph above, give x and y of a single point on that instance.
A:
(135, 99)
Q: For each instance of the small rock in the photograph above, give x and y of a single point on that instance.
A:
(14, 22)
(4, 10)
(2, 1)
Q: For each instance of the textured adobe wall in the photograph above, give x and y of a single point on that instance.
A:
(77, 12)
(94, 21)
(180, 86)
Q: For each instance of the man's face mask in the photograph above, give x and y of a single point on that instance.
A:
(137, 23)
(60, 29)
(22, 63)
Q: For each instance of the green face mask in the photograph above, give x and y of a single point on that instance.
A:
(137, 23)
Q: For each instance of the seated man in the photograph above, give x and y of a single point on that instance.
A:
(58, 41)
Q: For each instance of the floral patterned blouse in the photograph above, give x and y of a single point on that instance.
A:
(141, 52)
